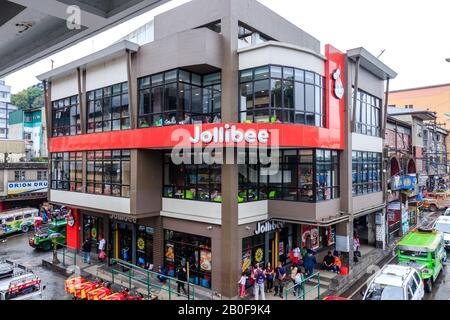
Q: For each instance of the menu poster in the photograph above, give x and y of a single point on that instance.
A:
(313, 231)
(331, 235)
(246, 260)
(170, 255)
(205, 260)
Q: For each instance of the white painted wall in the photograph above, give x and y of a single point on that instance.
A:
(361, 142)
(280, 54)
(207, 212)
(253, 212)
(107, 73)
(114, 204)
(65, 87)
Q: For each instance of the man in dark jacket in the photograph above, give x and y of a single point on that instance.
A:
(87, 247)
(310, 263)
(181, 275)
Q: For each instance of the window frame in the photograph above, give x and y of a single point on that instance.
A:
(60, 106)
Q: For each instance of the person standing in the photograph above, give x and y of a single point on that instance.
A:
(242, 281)
(280, 275)
(308, 244)
(310, 263)
(3, 232)
(182, 277)
(296, 252)
(260, 278)
(269, 276)
(87, 247)
(101, 249)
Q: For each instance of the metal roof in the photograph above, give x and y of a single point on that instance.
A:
(419, 113)
(32, 30)
(371, 63)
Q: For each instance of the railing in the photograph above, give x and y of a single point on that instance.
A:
(150, 281)
(69, 255)
(301, 290)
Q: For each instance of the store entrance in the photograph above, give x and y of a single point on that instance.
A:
(125, 241)
(364, 228)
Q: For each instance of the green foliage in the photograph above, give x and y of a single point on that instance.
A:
(30, 98)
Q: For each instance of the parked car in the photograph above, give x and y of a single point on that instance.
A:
(395, 282)
(447, 212)
(442, 224)
(424, 249)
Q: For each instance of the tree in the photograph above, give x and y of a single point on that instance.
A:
(29, 98)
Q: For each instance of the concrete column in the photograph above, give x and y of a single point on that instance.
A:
(345, 229)
(371, 232)
(380, 232)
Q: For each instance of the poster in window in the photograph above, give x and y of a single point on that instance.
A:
(331, 235)
(170, 256)
(259, 255)
(141, 244)
(281, 248)
(205, 260)
(313, 231)
(246, 260)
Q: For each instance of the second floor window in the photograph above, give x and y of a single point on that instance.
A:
(366, 172)
(67, 171)
(108, 173)
(19, 175)
(42, 175)
(179, 97)
(108, 109)
(66, 119)
(275, 94)
(368, 114)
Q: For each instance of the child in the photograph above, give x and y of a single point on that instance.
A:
(242, 283)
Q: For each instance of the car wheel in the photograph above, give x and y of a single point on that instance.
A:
(429, 285)
(25, 228)
(433, 208)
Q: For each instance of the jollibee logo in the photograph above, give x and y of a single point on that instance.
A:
(338, 85)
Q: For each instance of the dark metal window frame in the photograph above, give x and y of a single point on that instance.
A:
(67, 129)
(284, 110)
(366, 185)
(65, 182)
(364, 127)
(107, 93)
(145, 86)
(92, 184)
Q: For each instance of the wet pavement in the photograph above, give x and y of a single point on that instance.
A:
(17, 249)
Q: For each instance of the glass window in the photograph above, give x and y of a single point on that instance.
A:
(66, 119)
(368, 114)
(67, 172)
(366, 172)
(285, 97)
(108, 173)
(108, 108)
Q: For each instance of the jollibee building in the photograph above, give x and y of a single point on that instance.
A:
(234, 76)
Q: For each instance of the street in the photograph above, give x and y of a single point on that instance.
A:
(18, 250)
(441, 288)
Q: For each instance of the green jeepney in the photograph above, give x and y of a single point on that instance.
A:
(43, 238)
(423, 249)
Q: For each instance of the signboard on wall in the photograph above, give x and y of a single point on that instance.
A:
(24, 187)
(312, 231)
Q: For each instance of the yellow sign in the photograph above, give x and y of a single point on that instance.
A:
(259, 255)
(94, 233)
(141, 244)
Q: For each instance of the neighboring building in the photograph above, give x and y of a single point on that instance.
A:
(114, 116)
(434, 98)
(22, 184)
(5, 108)
(29, 125)
(430, 142)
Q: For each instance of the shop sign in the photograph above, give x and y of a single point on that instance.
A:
(123, 218)
(170, 255)
(331, 235)
(70, 219)
(229, 134)
(24, 187)
(246, 260)
(259, 255)
(313, 231)
(338, 85)
(422, 180)
(408, 182)
(396, 183)
(264, 227)
(141, 244)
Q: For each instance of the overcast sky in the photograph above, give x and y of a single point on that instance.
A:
(414, 34)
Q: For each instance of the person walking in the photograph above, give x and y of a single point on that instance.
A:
(356, 246)
(280, 275)
(182, 276)
(260, 278)
(298, 282)
(3, 232)
(269, 277)
(87, 248)
(296, 252)
(310, 263)
(101, 249)
(242, 281)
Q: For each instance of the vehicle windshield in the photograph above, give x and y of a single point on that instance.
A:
(414, 254)
(442, 227)
(379, 291)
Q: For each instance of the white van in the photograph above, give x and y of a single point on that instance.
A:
(395, 282)
(442, 224)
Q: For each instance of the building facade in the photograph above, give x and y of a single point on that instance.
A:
(29, 125)
(228, 79)
(5, 108)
